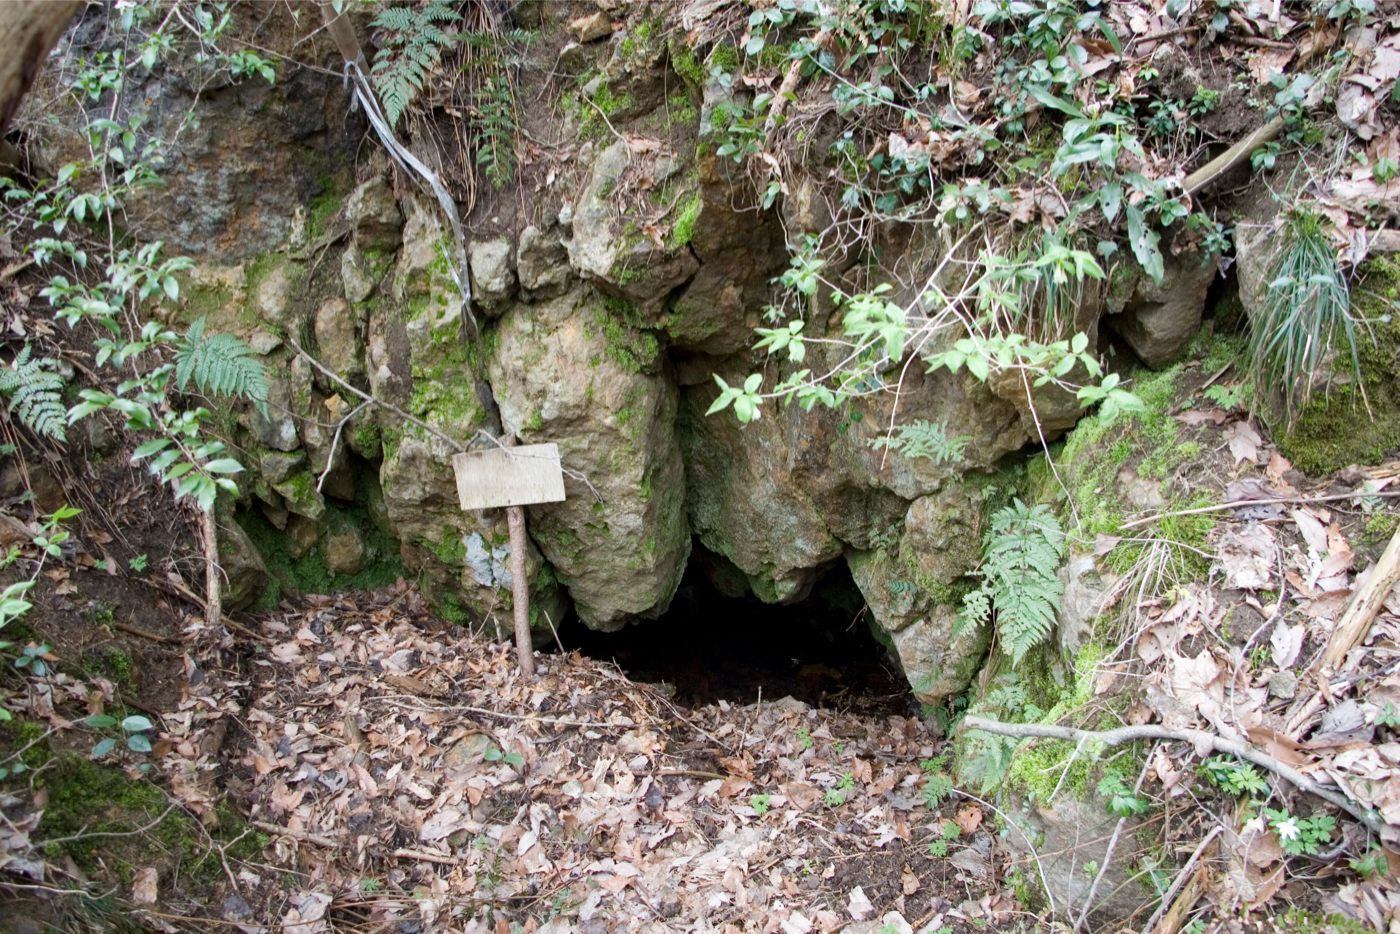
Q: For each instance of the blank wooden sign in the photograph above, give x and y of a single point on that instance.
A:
(509, 476)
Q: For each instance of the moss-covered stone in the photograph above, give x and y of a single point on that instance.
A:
(310, 573)
(1336, 429)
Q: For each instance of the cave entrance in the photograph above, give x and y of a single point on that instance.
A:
(712, 647)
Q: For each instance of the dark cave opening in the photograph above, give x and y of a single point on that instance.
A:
(712, 647)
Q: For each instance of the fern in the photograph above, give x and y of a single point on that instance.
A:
(35, 392)
(1020, 590)
(220, 364)
(495, 103)
(413, 44)
(924, 439)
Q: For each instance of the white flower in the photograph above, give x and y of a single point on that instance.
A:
(1287, 829)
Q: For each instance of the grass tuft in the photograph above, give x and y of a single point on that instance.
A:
(1305, 314)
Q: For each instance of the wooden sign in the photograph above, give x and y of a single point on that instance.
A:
(515, 476)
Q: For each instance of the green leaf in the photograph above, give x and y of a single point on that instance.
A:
(100, 721)
(1143, 241)
(136, 722)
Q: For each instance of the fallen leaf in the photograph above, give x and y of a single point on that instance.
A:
(1286, 642)
(858, 905)
(968, 818)
(145, 886)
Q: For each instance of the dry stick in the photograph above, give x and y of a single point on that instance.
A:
(213, 599)
(1231, 157)
(1364, 606)
(1181, 878)
(361, 394)
(789, 85)
(1198, 738)
(297, 834)
(1272, 501)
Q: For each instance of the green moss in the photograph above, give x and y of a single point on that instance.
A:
(323, 209)
(1335, 429)
(685, 63)
(535, 422)
(451, 550)
(725, 58)
(611, 102)
(309, 573)
(631, 348)
(684, 228)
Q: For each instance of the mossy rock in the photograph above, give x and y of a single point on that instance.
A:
(1336, 429)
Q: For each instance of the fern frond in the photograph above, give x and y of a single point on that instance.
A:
(924, 439)
(221, 364)
(1022, 552)
(35, 392)
(413, 46)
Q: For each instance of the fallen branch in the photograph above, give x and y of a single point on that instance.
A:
(1272, 501)
(1199, 738)
(1182, 878)
(1365, 604)
(1231, 157)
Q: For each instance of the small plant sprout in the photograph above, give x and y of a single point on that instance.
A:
(494, 754)
(133, 730)
(1373, 865)
(761, 804)
(804, 737)
(947, 833)
(138, 563)
(1234, 777)
(1301, 835)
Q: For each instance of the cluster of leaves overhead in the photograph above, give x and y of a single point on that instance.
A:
(1020, 588)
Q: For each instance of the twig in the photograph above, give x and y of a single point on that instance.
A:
(335, 442)
(440, 859)
(185, 593)
(1181, 878)
(143, 634)
(1199, 738)
(1272, 501)
(213, 598)
(1231, 157)
(298, 834)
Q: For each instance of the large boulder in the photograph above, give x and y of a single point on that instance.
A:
(912, 590)
(611, 251)
(571, 371)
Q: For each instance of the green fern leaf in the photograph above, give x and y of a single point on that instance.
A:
(35, 392)
(413, 44)
(1022, 552)
(221, 364)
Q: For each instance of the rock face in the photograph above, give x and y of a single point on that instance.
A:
(603, 302)
(568, 370)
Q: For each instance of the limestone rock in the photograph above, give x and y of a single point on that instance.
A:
(937, 664)
(355, 275)
(542, 263)
(1161, 318)
(492, 271)
(612, 252)
(277, 466)
(1082, 602)
(275, 428)
(911, 595)
(337, 335)
(245, 574)
(373, 213)
(299, 491)
(275, 294)
(564, 373)
(1072, 832)
(303, 535)
(345, 551)
(592, 27)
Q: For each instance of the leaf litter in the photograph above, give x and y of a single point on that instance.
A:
(407, 774)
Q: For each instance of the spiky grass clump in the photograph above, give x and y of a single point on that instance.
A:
(1305, 315)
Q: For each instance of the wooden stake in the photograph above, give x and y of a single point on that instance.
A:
(520, 585)
(213, 597)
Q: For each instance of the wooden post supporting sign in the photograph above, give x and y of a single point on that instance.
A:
(512, 477)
